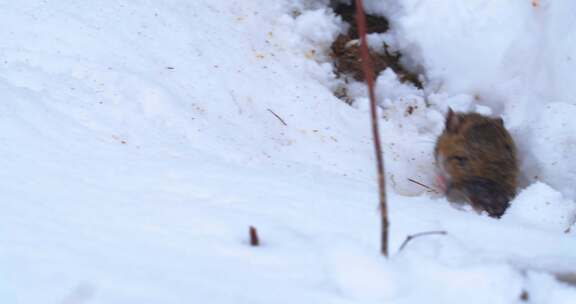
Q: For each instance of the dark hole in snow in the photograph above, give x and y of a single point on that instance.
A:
(345, 48)
(374, 24)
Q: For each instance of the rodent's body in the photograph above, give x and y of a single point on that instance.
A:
(477, 163)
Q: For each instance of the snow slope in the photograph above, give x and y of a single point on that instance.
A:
(139, 142)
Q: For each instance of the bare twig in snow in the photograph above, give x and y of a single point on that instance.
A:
(254, 240)
(369, 77)
(279, 118)
(572, 224)
(413, 236)
(430, 189)
(524, 296)
(567, 277)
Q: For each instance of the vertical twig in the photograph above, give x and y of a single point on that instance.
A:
(369, 76)
(254, 240)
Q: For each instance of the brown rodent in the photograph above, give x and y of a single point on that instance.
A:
(477, 163)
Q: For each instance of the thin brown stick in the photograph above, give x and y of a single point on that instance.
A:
(279, 118)
(254, 240)
(369, 76)
(423, 185)
(413, 236)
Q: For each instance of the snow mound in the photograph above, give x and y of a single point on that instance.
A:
(541, 206)
(553, 148)
(140, 140)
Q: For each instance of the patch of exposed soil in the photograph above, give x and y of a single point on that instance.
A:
(345, 49)
(374, 24)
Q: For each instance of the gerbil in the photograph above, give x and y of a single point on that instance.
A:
(476, 161)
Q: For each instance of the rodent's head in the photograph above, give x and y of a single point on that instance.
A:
(456, 153)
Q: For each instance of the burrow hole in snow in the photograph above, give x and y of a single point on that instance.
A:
(329, 30)
(413, 105)
(344, 51)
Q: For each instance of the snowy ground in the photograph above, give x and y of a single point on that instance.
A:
(138, 143)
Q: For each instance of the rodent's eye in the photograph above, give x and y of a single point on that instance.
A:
(459, 160)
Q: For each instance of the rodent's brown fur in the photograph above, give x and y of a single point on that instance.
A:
(476, 157)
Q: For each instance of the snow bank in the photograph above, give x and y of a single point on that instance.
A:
(140, 140)
(455, 43)
(543, 207)
(552, 147)
(515, 58)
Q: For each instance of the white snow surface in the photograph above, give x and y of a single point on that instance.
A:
(140, 139)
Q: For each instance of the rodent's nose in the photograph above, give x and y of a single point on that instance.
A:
(440, 182)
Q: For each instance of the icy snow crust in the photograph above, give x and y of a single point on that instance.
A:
(138, 143)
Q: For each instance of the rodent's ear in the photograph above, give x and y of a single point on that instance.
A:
(499, 121)
(453, 121)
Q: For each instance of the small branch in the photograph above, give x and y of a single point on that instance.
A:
(254, 240)
(369, 77)
(279, 118)
(572, 224)
(430, 189)
(413, 236)
(524, 296)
